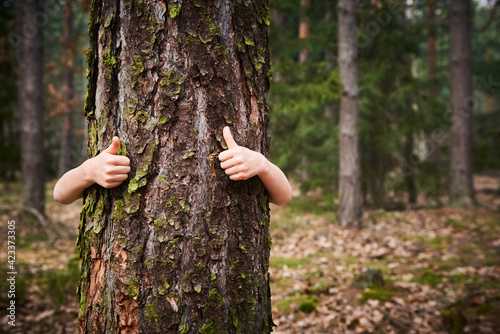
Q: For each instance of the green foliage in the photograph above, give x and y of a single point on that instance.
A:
(303, 98)
(306, 132)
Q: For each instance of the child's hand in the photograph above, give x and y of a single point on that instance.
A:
(239, 162)
(108, 169)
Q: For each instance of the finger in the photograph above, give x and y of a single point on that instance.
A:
(119, 178)
(120, 160)
(228, 137)
(233, 170)
(226, 155)
(228, 163)
(116, 178)
(120, 170)
(110, 185)
(113, 148)
(238, 177)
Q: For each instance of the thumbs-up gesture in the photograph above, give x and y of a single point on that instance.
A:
(108, 169)
(239, 162)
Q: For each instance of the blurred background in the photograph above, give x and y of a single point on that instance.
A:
(431, 267)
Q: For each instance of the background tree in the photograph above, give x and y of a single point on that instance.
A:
(9, 123)
(32, 20)
(304, 28)
(68, 91)
(462, 104)
(179, 247)
(350, 200)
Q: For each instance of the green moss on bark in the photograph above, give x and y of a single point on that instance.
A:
(173, 10)
(131, 287)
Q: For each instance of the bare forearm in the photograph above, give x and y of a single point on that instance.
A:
(71, 185)
(276, 183)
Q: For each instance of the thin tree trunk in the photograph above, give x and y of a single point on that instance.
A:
(462, 100)
(68, 89)
(331, 108)
(31, 103)
(179, 247)
(350, 199)
(411, 183)
(409, 146)
(431, 39)
(329, 58)
(303, 55)
(304, 28)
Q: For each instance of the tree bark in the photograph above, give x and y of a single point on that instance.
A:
(462, 104)
(179, 247)
(350, 200)
(31, 103)
(68, 89)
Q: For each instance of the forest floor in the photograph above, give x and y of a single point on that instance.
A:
(412, 271)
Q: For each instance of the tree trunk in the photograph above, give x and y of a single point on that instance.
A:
(350, 200)
(31, 103)
(179, 247)
(304, 28)
(329, 56)
(462, 104)
(68, 89)
(431, 39)
(410, 179)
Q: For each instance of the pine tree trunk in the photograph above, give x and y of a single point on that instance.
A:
(410, 179)
(330, 58)
(31, 103)
(462, 104)
(304, 28)
(68, 89)
(350, 200)
(431, 40)
(179, 247)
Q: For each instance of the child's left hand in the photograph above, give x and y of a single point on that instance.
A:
(241, 163)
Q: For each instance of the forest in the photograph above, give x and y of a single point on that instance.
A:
(383, 114)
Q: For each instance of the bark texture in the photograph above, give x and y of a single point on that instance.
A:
(179, 247)
(350, 199)
(31, 103)
(68, 89)
(462, 104)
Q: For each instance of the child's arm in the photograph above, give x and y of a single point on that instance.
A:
(107, 169)
(241, 163)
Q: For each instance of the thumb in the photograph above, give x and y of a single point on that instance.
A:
(113, 148)
(228, 137)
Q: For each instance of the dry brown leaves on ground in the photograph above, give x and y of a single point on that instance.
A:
(441, 272)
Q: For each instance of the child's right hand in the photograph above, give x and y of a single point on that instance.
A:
(108, 169)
